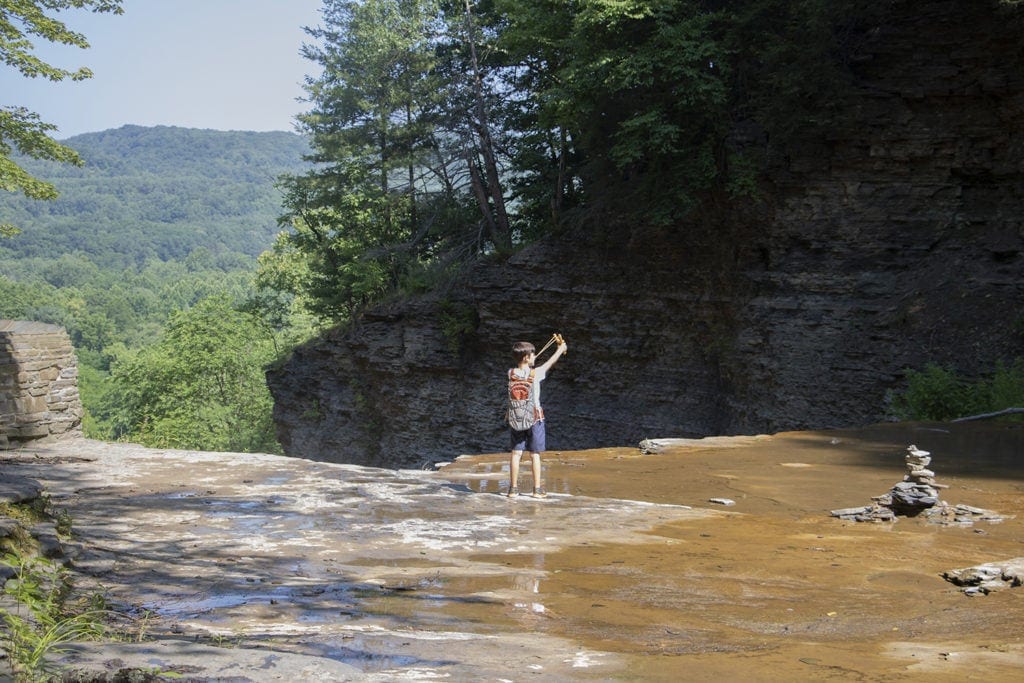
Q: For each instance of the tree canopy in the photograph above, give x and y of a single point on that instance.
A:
(447, 130)
(21, 129)
(406, 175)
(200, 385)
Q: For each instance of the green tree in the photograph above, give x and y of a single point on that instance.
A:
(623, 105)
(19, 300)
(355, 216)
(631, 112)
(407, 179)
(473, 86)
(23, 130)
(535, 47)
(201, 386)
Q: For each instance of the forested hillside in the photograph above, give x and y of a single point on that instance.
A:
(147, 259)
(155, 193)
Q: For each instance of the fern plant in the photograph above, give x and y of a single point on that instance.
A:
(42, 622)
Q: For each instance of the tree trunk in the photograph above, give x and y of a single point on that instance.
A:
(501, 233)
(559, 189)
(480, 192)
(411, 169)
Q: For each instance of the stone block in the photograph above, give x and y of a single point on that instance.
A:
(28, 431)
(921, 473)
(35, 365)
(28, 405)
(48, 374)
(18, 489)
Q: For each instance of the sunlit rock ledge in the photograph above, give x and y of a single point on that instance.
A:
(260, 547)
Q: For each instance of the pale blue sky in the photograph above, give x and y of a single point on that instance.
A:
(221, 64)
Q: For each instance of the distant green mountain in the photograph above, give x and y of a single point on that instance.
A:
(156, 193)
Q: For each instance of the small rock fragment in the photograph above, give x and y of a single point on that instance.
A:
(988, 578)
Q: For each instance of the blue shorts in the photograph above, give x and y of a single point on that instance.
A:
(531, 440)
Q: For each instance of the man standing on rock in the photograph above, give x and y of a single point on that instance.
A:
(525, 416)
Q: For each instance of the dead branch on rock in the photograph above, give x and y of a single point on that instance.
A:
(985, 416)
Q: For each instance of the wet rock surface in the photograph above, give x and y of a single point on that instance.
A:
(263, 568)
(286, 561)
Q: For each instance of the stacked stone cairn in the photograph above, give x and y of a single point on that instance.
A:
(918, 490)
(918, 493)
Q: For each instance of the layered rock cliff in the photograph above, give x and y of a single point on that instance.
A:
(893, 241)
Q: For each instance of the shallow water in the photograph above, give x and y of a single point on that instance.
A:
(626, 572)
(778, 589)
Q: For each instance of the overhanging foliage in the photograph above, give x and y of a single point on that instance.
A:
(22, 130)
(445, 130)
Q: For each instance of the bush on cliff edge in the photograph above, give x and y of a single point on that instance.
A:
(937, 393)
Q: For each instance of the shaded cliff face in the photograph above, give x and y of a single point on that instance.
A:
(894, 242)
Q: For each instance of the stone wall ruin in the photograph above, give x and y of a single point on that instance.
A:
(38, 383)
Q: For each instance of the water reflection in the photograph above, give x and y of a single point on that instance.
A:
(530, 585)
